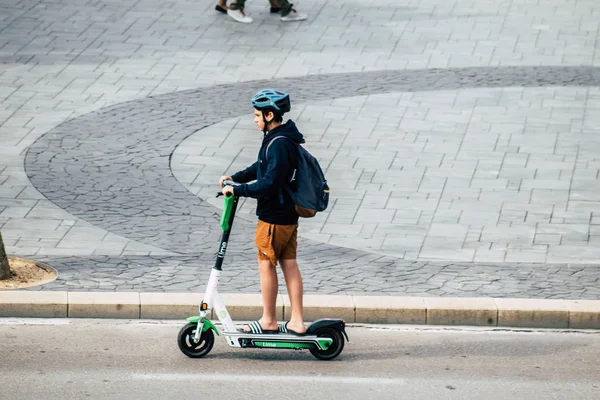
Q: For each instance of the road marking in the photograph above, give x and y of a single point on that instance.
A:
(34, 321)
(271, 378)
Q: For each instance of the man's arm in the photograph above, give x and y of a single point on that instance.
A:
(247, 175)
(277, 168)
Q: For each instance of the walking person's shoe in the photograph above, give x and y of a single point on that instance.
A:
(293, 16)
(239, 16)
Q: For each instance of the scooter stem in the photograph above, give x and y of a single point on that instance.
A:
(226, 224)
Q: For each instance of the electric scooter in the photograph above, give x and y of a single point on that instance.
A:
(324, 338)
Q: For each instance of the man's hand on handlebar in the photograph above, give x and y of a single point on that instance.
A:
(224, 178)
(227, 186)
(227, 191)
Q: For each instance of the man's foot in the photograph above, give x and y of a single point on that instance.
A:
(256, 327)
(285, 327)
(275, 10)
(239, 16)
(221, 9)
(293, 16)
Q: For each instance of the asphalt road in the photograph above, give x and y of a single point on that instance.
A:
(107, 359)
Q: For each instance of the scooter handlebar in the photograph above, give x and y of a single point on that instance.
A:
(227, 183)
(230, 183)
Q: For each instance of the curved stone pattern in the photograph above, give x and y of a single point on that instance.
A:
(111, 168)
(471, 175)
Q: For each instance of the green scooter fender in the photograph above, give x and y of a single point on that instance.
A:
(207, 324)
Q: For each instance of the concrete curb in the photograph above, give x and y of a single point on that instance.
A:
(517, 313)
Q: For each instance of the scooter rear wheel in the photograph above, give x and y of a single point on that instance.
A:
(334, 349)
(185, 340)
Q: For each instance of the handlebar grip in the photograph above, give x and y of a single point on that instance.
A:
(227, 183)
(230, 183)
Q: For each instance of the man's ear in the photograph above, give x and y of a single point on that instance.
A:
(270, 116)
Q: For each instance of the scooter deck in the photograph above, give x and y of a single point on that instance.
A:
(250, 335)
(276, 340)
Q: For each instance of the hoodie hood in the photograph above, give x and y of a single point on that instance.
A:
(288, 129)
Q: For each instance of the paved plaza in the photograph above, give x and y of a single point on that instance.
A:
(461, 141)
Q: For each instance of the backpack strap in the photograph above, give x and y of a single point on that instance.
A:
(274, 139)
(267, 152)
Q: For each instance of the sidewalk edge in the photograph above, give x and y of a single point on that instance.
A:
(448, 311)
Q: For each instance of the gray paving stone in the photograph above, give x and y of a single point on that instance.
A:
(572, 254)
(525, 255)
(547, 238)
(106, 56)
(450, 255)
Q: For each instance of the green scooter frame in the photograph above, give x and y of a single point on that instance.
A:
(324, 338)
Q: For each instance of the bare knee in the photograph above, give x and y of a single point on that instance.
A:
(265, 265)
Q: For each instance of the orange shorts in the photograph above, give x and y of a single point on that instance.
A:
(276, 242)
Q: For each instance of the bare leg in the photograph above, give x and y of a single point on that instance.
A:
(222, 3)
(274, 3)
(293, 281)
(269, 288)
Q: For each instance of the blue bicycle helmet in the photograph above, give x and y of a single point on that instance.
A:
(275, 100)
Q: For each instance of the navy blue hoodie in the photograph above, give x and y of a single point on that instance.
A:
(271, 173)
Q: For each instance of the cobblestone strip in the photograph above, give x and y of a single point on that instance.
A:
(356, 274)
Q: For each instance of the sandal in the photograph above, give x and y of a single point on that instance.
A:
(256, 328)
(221, 9)
(284, 329)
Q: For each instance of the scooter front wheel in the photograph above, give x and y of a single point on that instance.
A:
(334, 349)
(186, 343)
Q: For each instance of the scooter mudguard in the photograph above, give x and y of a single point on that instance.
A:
(207, 324)
(334, 323)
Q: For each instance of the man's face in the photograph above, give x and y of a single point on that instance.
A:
(259, 121)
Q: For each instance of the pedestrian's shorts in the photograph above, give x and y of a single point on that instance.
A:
(276, 242)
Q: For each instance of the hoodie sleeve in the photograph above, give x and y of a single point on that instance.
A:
(247, 175)
(278, 165)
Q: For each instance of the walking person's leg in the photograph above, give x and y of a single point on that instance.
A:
(274, 6)
(238, 5)
(221, 6)
(236, 11)
(288, 13)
